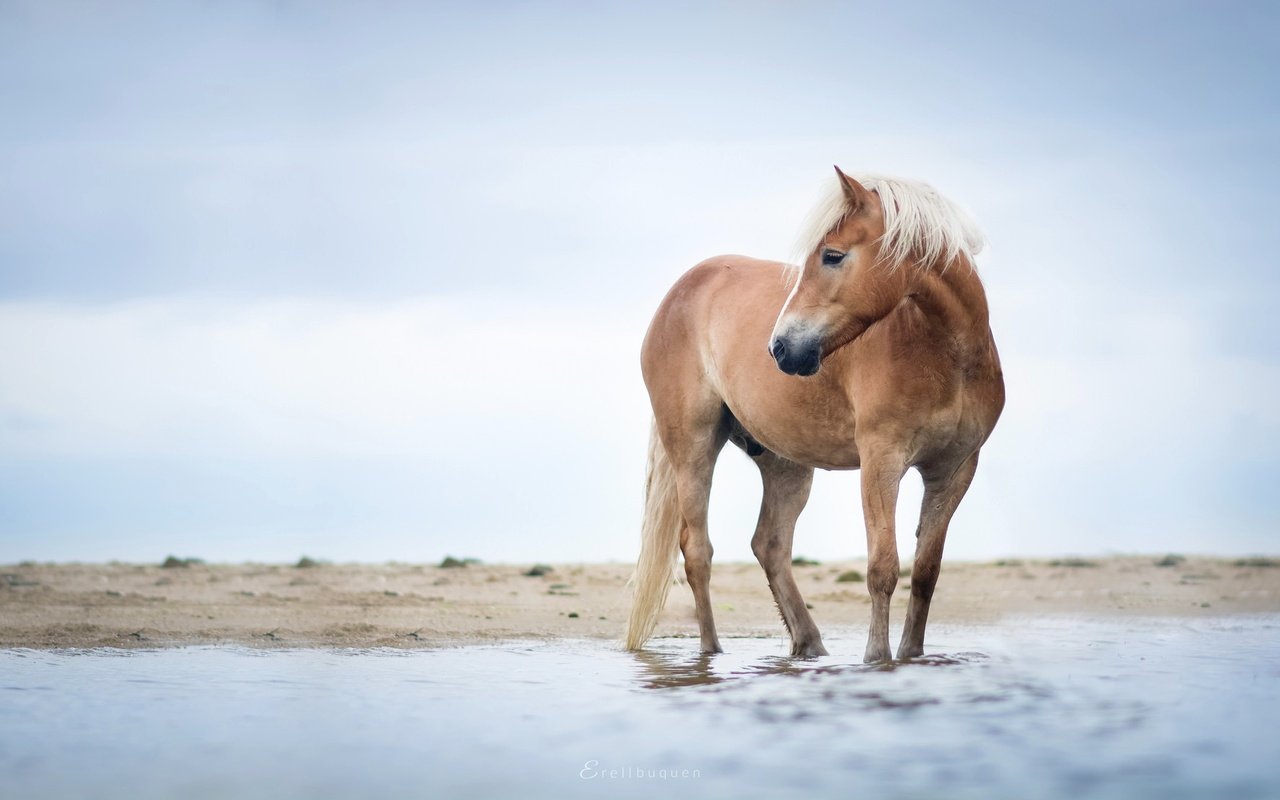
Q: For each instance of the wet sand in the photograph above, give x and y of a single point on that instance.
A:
(404, 605)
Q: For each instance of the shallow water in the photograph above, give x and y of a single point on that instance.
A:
(1039, 707)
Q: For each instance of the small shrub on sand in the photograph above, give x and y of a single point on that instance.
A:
(1258, 561)
(1072, 562)
(173, 562)
(453, 563)
(801, 561)
(851, 576)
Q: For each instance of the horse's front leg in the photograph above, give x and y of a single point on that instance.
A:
(943, 492)
(882, 472)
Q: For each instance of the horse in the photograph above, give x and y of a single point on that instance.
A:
(874, 353)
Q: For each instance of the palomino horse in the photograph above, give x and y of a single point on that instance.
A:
(876, 354)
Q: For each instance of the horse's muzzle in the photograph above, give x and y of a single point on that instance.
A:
(802, 357)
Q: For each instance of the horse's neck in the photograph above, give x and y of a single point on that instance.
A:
(953, 298)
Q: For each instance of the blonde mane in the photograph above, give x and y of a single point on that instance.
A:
(917, 221)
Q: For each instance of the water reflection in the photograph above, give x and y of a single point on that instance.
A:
(659, 668)
(1056, 710)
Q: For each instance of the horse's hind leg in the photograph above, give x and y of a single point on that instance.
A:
(693, 447)
(942, 495)
(693, 483)
(786, 490)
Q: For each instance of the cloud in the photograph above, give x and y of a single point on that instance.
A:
(298, 378)
(377, 282)
(386, 428)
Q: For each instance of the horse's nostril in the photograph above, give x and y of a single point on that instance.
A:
(778, 348)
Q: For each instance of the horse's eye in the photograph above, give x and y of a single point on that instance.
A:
(831, 258)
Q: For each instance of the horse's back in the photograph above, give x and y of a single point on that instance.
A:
(729, 291)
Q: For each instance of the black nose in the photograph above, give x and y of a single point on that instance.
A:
(800, 357)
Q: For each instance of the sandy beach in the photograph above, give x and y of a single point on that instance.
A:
(407, 605)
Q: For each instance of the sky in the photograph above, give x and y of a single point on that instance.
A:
(368, 282)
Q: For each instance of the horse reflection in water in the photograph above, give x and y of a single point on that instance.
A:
(672, 670)
(669, 670)
(874, 354)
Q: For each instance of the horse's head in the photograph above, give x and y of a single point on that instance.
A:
(840, 288)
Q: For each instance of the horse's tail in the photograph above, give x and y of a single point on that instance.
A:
(659, 545)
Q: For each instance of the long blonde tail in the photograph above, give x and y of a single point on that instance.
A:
(659, 545)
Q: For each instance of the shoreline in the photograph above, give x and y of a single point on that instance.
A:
(73, 605)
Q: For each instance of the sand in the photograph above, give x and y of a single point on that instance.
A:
(404, 605)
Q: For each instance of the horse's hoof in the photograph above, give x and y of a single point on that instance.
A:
(808, 649)
(877, 655)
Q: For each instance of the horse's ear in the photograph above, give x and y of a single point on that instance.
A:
(854, 192)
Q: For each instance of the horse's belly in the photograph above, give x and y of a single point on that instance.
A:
(828, 454)
(807, 423)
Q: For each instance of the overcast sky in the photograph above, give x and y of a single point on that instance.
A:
(368, 281)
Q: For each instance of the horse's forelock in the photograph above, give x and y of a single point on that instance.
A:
(917, 220)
